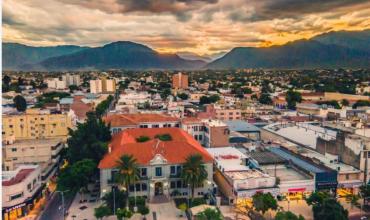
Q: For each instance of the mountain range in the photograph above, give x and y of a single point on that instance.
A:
(349, 49)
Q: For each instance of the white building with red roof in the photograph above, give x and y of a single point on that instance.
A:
(160, 162)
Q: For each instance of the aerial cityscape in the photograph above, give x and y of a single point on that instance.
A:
(185, 109)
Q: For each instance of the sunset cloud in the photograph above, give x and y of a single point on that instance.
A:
(201, 26)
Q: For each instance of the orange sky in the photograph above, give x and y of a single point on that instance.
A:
(200, 26)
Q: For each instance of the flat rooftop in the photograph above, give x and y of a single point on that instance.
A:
(266, 157)
(285, 173)
(304, 134)
(247, 174)
(10, 178)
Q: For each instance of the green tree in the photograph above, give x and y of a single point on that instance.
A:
(361, 103)
(89, 140)
(345, 102)
(332, 103)
(183, 96)
(128, 172)
(72, 88)
(288, 216)
(123, 213)
(119, 197)
(20, 103)
(194, 172)
(76, 176)
(324, 207)
(209, 214)
(165, 93)
(292, 98)
(103, 106)
(265, 99)
(101, 212)
(263, 202)
(143, 210)
(6, 83)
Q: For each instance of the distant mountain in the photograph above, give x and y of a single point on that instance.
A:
(359, 40)
(193, 56)
(16, 55)
(329, 50)
(117, 55)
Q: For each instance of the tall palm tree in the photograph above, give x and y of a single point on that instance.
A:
(128, 172)
(194, 172)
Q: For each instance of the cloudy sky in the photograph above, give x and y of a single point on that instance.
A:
(201, 26)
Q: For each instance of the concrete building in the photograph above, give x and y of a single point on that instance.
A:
(160, 162)
(180, 81)
(103, 85)
(216, 134)
(71, 79)
(45, 152)
(237, 181)
(223, 113)
(56, 83)
(35, 124)
(21, 189)
(120, 122)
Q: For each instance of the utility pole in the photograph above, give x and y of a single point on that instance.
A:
(63, 206)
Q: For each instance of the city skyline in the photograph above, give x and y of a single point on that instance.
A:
(202, 26)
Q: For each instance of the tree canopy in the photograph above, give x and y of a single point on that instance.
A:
(265, 99)
(209, 214)
(288, 216)
(20, 103)
(325, 207)
(194, 172)
(89, 140)
(292, 98)
(262, 202)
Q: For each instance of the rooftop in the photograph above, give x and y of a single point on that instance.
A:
(175, 151)
(117, 120)
(14, 177)
(285, 173)
(241, 126)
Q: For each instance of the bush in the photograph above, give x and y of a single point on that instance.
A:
(198, 201)
(142, 139)
(140, 201)
(123, 213)
(164, 137)
(101, 212)
(143, 210)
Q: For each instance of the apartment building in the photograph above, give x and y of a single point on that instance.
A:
(103, 85)
(216, 134)
(120, 122)
(223, 113)
(71, 79)
(35, 124)
(45, 152)
(180, 81)
(160, 162)
(21, 189)
(56, 83)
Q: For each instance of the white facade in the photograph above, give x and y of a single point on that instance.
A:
(96, 86)
(55, 83)
(16, 192)
(71, 79)
(158, 178)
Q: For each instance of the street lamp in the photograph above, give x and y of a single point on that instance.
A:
(63, 206)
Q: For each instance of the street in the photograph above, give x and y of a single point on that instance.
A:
(53, 209)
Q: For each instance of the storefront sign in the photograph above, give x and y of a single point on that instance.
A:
(15, 207)
(297, 190)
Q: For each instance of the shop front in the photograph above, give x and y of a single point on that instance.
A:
(297, 190)
(348, 188)
(22, 209)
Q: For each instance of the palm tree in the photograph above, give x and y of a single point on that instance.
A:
(128, 172)
(194, 172)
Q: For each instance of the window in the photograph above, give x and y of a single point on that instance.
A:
(155, 126)
(173, 185)
(173, 170)
(200, 137)
(143, 172)
(14, 149)
(177, 125)
(179, 184)
(144, 187)
(10, 126)
(16, 196)
(347, 176)
(158, 171)
(195, 128)
(143, 126)
(29, 187)
(138, 187)
(178, 169)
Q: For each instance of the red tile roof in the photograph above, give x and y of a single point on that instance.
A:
(19, 177)
(135, 119)
(80, 108)
(175, 151)
(191, 120)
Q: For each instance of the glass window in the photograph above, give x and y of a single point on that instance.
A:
(173, 170)
(179, 184)
(144, 187)
(158, 171)
(13, 197)
(173, 185)
(138, 187)
(14, 149)
(143, 172)
(178, 169)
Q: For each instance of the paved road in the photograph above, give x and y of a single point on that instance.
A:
(53, 208)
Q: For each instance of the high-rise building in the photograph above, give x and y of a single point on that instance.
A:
(180, 81)
(103, 85)
(71, 79)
